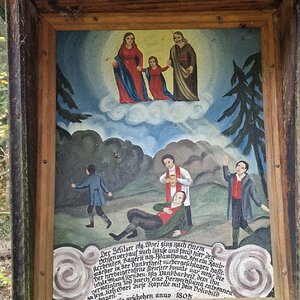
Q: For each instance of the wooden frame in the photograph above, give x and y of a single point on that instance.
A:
(265, 20)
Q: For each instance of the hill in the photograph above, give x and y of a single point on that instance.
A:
(208, 202)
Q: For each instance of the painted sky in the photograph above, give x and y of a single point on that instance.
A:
(85, 58)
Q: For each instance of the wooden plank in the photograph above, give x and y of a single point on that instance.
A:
(276, 162)
(287, 47)
(22, 110)
(127, 21)
(150, 7)
(43, 280)
(297, 190)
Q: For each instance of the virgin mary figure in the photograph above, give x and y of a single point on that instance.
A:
(128, 65)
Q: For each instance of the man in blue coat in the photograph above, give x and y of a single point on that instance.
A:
(96, 188)
(241, 190)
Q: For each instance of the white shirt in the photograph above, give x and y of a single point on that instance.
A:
(185, 180)
(238, 177)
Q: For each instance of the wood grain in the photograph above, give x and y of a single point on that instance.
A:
(276, 161)
(22, 54)
(153, 6)
(287, 47)
(130, 21)
(43, 280)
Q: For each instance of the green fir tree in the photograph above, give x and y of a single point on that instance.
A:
(246, 112)
(64, 91)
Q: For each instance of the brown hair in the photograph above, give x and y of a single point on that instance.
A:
(167, 156)
(155, 59)
(126, 35)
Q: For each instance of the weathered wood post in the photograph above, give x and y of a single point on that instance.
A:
(22, 53)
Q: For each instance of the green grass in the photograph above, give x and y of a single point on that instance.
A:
(72, 231)
(209, 212)
(142, 184)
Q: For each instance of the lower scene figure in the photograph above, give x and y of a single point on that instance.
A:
(171, 220)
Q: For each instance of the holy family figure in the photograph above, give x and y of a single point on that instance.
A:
(128, 68)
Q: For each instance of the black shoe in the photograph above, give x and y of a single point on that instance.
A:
(133, 235)
(91, 225)
(117, 237)
(114, 236)
(108, 224)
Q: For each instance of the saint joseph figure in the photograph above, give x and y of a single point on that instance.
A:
(183, 61)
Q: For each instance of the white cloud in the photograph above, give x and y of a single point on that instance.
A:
(136, 114)
(107, 103)
(140, 135)
(178, 112)
(156, 112)
(118, 113)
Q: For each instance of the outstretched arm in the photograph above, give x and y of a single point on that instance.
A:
(103, 186)
(254, 196)
(81, 185)
(226, 172)
(164, 68)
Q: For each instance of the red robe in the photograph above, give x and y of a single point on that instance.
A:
(168, 185)
(128, 57)
(155, 83)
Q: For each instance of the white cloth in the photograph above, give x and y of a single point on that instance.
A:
(239, 178)
(185, 180)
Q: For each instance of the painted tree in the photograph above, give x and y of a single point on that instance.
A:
(64, 92)
(246, 112)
